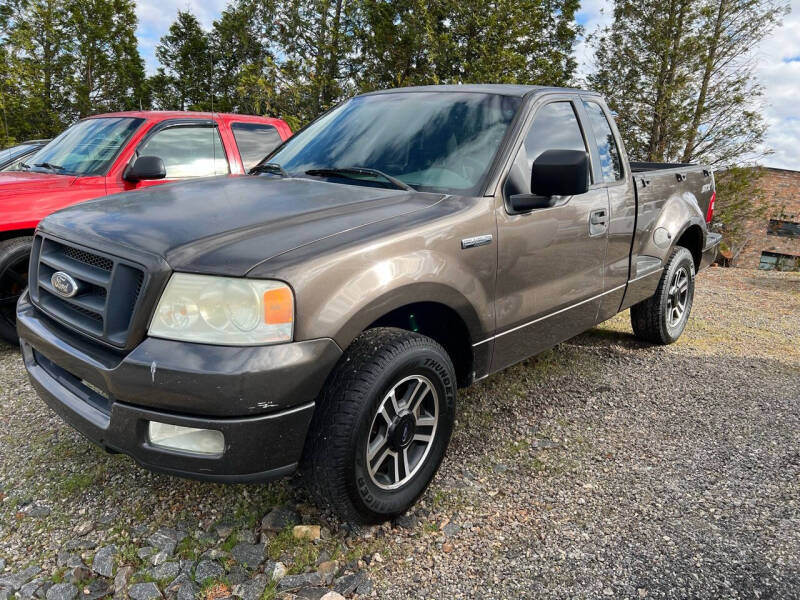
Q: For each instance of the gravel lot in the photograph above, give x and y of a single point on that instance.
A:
(603, 468)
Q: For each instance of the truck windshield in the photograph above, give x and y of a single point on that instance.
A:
(432, 141)
(87, 148)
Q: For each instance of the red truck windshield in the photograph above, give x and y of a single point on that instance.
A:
(432, 141)
(87, 148)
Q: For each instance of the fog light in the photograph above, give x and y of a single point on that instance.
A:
(189, 439)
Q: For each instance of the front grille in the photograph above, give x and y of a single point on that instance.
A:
(108, 288)
(81, 388)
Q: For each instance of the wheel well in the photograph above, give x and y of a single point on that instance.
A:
(9, 235)
(441, 323)
(692, 240)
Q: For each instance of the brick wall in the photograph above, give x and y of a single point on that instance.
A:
(782, 190)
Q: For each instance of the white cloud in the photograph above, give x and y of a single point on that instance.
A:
(778, 71)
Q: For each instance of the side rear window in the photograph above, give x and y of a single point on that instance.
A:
(255, 141)
(610, 162)
(555, 127)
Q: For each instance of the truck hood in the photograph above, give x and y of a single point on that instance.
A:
(227, 226)
(14, 182)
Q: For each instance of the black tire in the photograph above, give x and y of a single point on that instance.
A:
(660, 319)
(334, 465)
(14, 255)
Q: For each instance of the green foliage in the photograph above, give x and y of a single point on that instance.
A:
(740, 201)
(183, 79)
(679, 73)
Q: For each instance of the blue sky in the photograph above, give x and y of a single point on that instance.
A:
(778, 63)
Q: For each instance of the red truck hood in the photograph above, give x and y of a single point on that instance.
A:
(14, 181)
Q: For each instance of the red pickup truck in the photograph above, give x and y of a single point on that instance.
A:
(116, 152)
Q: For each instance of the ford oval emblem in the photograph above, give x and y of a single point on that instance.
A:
(64, 284)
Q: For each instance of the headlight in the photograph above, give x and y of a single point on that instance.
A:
(224, 310)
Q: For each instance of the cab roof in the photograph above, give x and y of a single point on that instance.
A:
(503, 89)
(185, 114)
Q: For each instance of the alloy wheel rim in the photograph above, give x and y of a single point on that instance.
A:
(677, 296)
(13, 281)
(402, 432)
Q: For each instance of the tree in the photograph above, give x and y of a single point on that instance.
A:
(184, 80)
(679, 75)
(109, 72)
(740, 202)
(39, 55)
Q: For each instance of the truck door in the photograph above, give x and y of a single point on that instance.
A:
(609, 172)
(550, 260)
(189, 148)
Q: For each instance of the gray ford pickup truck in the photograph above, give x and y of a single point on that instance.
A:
(321, 313)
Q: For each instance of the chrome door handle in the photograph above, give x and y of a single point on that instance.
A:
(598, 222)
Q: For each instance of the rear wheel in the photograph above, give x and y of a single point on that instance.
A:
(662, 318)
(14, 255)
(382, 425)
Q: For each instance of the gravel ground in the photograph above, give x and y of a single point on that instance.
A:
(603, 468)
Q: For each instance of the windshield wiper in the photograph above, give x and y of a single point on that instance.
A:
(24, 165)
(345, 171)
(269, 168)
(49, 166)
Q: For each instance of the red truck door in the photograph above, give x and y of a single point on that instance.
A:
(190, 148)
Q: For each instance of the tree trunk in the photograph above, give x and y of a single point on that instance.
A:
(708, 68)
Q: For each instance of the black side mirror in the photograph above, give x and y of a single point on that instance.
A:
(146, 167)
(554, 173)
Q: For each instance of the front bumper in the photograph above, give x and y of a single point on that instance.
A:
(260, 398)
(710, 251)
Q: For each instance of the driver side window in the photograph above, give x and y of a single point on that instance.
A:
(188, 151)
(555, 127)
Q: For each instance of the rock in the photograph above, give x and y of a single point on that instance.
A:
(84, 528)
(143, 591)
(238, 575)
(347, 585)
(28, 591)
(79, 544)
(143, 553)
(121, 582)
(2, 564)
(377, 558)
(247, 536)
(169, 570)
(327, 571)
(306, 532)
(17, 580)
(188, 591)
(291, 582)
(71, 561)
(279, 518)
(95, 590)
(166, 540)
(159, 558)
(275, 571)
(322, 557)
(208, 569)
(365, 588)
(451, 529)
(447, 547)
(331, 595)
(214, 554)
(36, 511)
(406, 521)
(62, 591)
(103, 563)
(251, 555)
(187, 566)
(5, 594)
(251, 590)
(312, 593)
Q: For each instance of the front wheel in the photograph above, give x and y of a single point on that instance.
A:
(14, 255)
(382, 425)
(662, 318)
